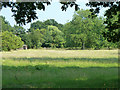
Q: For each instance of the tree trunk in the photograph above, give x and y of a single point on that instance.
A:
(83, 45)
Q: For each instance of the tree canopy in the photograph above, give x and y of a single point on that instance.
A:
(84, 31)
(10, 41)
(40, 25)
(50, 36)
(25, 12)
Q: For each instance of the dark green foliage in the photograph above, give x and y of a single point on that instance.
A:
(53, 23)
(56, 36)
(49, 37)
(66, 4)
(19, 30)
(10, 41)
(6, 25)
(50, 32)
(26, 12)
(39, 35)
(113, 28)
(16, 30)
(33, 39)
(40, 25)
(113, 25)
(36, 39)
(37, 25)
(27, 40)
(85, 32)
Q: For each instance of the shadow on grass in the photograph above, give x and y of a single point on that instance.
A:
(46, 76)
(99, 60)
(50, 67)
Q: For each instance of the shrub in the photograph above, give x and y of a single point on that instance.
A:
(10, 41)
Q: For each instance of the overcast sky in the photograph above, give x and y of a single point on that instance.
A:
(52, 11)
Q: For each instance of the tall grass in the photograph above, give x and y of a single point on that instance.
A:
(60, 69)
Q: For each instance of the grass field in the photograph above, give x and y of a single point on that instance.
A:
(60, 69)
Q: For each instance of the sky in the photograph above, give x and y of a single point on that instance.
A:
(52, 11)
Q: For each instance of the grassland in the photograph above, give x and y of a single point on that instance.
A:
(60, 69)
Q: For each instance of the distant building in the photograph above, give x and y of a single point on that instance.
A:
(25, 47)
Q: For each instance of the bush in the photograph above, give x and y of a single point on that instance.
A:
(10, 41)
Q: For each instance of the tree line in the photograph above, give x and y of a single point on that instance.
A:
(26, 12)
(83, 32)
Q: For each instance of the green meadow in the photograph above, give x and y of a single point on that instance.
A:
(61, 68)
